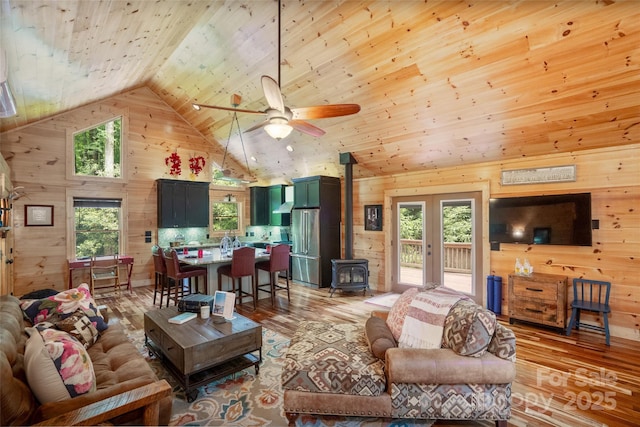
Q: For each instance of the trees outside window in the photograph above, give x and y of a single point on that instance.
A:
(97, 227)
(225, 216)
(97, 150)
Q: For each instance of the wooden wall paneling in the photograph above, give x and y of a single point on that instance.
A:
(610, 174)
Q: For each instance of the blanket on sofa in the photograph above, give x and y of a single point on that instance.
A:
(424, 324)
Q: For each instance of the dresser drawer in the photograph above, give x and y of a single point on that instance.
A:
(536, 311)
(535, 290)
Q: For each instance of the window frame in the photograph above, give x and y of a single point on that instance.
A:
(91, 194)
(107, 115)
(239, 216)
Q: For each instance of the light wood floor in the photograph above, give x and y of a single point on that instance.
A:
(561, 381)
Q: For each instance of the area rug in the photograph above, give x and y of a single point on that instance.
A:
(383, 300)
(244, 399)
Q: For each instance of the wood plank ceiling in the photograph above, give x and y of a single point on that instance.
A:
(440, 83)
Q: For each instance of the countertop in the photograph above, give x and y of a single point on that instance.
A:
(213, 256)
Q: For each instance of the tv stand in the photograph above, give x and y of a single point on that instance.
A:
(539, 298)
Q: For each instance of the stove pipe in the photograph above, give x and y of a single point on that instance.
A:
(348, 161)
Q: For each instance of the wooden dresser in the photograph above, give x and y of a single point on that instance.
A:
(539, 298)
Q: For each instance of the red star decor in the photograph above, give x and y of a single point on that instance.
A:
(196, 164)
(175, 161)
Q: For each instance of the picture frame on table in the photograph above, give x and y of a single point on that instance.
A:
(373, 217)
(38, 215)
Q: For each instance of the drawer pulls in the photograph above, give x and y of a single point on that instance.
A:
(534, 289)
(533, 310)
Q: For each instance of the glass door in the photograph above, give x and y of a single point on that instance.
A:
(438, 240)
(411, 257)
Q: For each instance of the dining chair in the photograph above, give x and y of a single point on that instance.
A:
(592, 296)
(178, 272)
(278, 262)
(162, 282)
(243, 261)
(104, 269)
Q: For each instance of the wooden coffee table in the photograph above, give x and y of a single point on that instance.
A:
(202, 350)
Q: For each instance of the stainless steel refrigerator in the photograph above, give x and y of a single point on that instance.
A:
(305, 253)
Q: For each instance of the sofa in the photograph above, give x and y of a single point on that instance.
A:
(51, 376)
(376, 370)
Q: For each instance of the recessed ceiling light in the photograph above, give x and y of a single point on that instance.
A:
(289, 148)
(254, 159)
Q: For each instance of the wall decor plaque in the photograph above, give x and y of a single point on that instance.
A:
(35, 215)
(539, 175)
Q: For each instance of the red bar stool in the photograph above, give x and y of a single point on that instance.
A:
(278, 261)
(179, 272)
(162, 282)
(243, 263)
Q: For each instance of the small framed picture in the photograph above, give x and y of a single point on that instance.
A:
(373, 217)
(38, 215)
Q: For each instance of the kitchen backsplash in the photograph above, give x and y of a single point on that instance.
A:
(267, 233)
(199, 235)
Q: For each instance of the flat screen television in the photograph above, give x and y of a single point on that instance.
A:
(561, 219)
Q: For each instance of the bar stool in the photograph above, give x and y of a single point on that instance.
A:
(278, 261)
(178, 273)
(243, 263)
(162, 282)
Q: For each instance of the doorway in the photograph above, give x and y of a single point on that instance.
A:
(438, 240)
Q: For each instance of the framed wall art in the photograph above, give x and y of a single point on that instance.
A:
(373, 217)
(38, 215)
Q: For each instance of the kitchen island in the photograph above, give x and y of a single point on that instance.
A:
(212, 258)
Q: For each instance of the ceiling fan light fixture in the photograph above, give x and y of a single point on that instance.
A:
(278, 128)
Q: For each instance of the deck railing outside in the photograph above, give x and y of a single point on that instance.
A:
(457, 256)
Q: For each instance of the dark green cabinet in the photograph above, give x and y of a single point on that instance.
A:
(316, 192)
(306, 193)
(182, 204)
(264, 201)
(259, 205)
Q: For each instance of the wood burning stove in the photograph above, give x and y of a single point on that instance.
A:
(349, 275)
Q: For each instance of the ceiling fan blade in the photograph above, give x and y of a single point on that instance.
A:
(324, 111)
(216, 107)
(306, 127)
(258, 126)
(272, 93)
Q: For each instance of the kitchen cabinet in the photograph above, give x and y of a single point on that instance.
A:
(259, 205)
(539, 298)
(264, 200)
(318, 191)
(182, 204)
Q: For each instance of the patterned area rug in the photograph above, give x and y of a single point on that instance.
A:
(244, 399)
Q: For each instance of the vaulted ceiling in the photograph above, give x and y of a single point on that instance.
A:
(440, 83)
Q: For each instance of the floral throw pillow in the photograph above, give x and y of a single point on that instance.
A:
(398, 312)
(64, 304)
(57, 366)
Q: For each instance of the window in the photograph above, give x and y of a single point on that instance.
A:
(97, 226)
(225, 216)
(97, 151)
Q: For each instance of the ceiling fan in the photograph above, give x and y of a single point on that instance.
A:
(280, 119)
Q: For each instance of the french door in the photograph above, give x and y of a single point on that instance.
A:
(437, 238)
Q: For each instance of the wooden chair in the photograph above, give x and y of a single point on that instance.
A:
(278, 261)
(105, 269)
(243, 263)
(593, 296)
(178, 272)
(162, 282)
